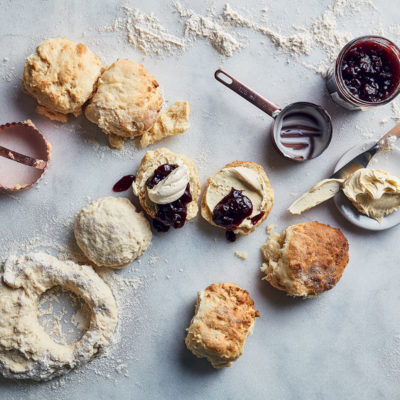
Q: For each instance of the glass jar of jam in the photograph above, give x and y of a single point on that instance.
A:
(366, 73)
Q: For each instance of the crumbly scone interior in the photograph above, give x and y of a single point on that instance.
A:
(276, 254)
(195, 341)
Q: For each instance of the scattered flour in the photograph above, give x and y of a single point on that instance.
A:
(147, 34)
(395, 111)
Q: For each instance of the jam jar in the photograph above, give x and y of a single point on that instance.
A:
(366, 73)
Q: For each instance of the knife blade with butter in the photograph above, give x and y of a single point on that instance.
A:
(327, 188)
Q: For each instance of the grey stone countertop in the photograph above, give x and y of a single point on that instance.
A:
(344, 344)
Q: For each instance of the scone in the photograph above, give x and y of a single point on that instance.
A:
(168, 188)
(111, 233)
(61, 76)
(174, 121)
(238, 198)
(306, 259)
(126, 102)
(223, 319)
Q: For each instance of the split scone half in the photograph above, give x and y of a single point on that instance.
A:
(306, 259)
(223, 319)
(61, 75)
(238, 198)
(126, 103)
(111, 232)
(168, 188)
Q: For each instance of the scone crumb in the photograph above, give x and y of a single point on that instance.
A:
(174, 121)
(270, 228)
(241, 254)
(116, 141)
(53, 115)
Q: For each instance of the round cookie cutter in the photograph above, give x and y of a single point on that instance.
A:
(19, 171)
(301, 131)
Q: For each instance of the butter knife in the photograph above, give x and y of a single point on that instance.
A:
(320, 193)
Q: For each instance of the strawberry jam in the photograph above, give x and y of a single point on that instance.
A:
(370, 71)
(171, 214)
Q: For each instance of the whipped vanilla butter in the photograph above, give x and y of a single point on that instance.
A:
(239, 178)
(170, 188)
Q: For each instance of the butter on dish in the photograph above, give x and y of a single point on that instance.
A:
(373, 192)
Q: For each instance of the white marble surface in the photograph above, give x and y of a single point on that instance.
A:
(342, 345)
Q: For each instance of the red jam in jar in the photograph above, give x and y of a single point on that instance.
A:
(366, 73)
(370, 71)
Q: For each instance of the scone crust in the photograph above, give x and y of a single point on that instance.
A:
(316, 256)
(150, 162)
(206, 213)
(61, 75)
(111, 232)
(223, 319)
(127, 101)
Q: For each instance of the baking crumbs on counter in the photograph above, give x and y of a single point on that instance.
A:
(241, 254)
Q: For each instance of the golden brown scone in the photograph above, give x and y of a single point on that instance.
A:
(61, 76)
(150, 162)
(126, 102)
(306, 259)
(174, 121)
(255, 184)
(223, 319)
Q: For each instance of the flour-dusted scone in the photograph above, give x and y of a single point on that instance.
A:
(168, 188)
(111, 233)
(61, 76)
(306, 259)
(223, 319)
(174, 121)
(126, 102)
(238, 198)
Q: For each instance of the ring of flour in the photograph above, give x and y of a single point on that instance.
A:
(26, 350)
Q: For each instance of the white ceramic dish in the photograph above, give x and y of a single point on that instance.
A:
(386, 160)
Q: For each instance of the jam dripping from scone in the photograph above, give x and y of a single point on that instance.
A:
(230, 236)
(232, 210)
(171, 214)
(124, 183)
(257, 217)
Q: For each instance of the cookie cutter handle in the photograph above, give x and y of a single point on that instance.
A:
(250, 95)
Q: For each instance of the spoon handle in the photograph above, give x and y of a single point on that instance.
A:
(20, 158)
(248, 94)
(395, 131)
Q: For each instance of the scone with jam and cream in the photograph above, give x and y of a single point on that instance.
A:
(238, 198)
(168, 188)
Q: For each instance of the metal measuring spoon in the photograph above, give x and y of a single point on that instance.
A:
(301, 130)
